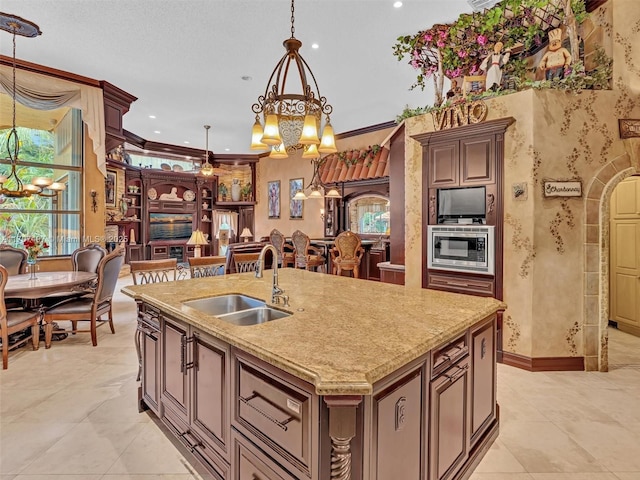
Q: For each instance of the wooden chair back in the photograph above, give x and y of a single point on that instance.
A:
(13, 321)
(14, 260)
(347, 253)
(207, 266)
(305, 255)
(246, 262)
(154, 271)
(285, 250)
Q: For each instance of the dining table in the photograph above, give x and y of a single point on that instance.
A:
(46, 283)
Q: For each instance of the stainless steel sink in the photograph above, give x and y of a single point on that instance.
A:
(237, 309)
(254, 316)
(223, 304)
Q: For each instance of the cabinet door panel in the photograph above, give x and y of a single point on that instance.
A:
(483, 378)
(477, 161)
(150, 380)
(443, 165)
(449, 421)
(399, 418)
(174, 381)
(210, 408)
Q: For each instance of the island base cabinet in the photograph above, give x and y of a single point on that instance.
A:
(147, 340)
(483, 378)
(250, 463)
(195, 391)
(449, 429)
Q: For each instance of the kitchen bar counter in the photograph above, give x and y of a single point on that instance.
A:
(363, 381)
(343, 336)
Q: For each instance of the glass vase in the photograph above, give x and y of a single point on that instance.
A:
(32, 268)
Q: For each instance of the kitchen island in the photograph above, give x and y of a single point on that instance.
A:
(363, 380)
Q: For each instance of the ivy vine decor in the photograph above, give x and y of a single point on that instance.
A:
(351, 157)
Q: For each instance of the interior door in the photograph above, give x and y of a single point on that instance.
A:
(624, 261)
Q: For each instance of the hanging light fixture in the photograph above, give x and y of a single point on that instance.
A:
(292, 119)
(316, 188)
(206, 169)
(19, 26)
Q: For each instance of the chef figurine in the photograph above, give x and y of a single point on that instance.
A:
(492, 64)
(557, 58)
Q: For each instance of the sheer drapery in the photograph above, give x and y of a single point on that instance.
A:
(42, 92)
(224, 216)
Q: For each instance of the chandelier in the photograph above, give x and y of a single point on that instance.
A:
(316, 187)
(292, 120)
(206, 169)
(20, 26)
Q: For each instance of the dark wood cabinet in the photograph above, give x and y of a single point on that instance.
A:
(195, 402)
(376, 256)
(483, 378)
(477, 160)
(148, 349)
(444, 165)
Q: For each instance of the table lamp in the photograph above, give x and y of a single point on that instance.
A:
(197, 239)
(246, 234)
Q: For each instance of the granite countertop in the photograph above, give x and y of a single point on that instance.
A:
(344, 335)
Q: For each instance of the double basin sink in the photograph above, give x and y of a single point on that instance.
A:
(237, 309)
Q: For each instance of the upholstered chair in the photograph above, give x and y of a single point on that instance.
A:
(285, 250)
(347, 253)
(87, 259)
(13, 321)
(89, 308)
(305, 255)
(207, 266)
(13, 259)
(154, 271)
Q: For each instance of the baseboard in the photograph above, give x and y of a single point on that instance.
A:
(543, 364)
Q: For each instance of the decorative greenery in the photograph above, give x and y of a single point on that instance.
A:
(351, 157)
(246, 189)
(458, 49)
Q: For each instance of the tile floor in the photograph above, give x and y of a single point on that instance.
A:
(70, 413)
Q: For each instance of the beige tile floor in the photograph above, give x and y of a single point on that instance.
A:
(70, 413)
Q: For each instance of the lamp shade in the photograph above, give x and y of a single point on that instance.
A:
(197, 238)
(333, 193)
(299, 195)
(310, 151)
(246, 234)
(315, 193)
(278, 151)
(328, 142)
(271, 135)
(309, 134)
(256, 136)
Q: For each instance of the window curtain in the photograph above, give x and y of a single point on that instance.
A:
(42, 92)
(223, 216)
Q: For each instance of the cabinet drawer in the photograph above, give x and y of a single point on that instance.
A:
(484, 286)
(159, 252)
(277, 413)
(445, 356)
(252, 464)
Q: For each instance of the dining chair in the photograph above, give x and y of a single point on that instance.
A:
(154, 271)
(14, 260)
(207, 266)
(89, 308)
(13, 321)
(347, 253)
(305, 255)
(246, 262)
(285, 250)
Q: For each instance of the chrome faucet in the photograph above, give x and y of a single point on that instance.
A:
(276, 292)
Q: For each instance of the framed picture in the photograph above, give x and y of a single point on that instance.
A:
(274, 198)
(110, 188)
(295, 206)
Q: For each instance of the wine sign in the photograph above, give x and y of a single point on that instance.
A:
(562, 189)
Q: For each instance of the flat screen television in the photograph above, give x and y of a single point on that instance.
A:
(170, 226)
(461, 203)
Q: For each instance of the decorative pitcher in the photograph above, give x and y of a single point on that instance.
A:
(235, 190)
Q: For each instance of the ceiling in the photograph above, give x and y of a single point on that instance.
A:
(185, 59)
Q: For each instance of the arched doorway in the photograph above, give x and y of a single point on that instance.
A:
(596, 264)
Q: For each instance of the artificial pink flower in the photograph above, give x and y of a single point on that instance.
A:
(462, 53)
(443, 34)
(482, 40)
(440, 43)
(428, 37)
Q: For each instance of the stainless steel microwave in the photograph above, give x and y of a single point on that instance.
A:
(461, 248)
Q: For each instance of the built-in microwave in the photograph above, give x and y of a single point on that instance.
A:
(467, 248)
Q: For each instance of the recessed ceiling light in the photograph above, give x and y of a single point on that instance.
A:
(186, 141)
(152, 116)
(227, 149)
(397, 4)
(156, 131)
(246, 78)
(315, 45)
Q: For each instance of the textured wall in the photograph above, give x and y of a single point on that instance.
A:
(549, 265)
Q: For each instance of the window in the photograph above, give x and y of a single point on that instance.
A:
(51, 145)
(369, 214)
